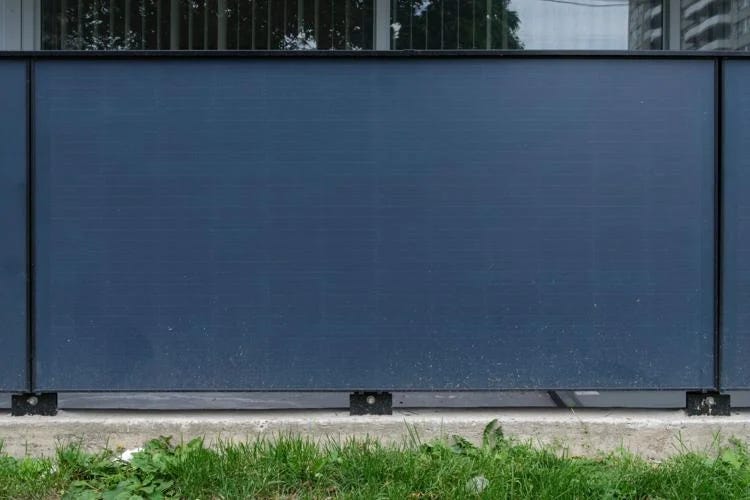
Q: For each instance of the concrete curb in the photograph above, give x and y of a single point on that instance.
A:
(653, 434)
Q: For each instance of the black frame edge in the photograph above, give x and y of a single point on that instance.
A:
(30, 254)
(31, 57)
(718, 215)
(367, 54)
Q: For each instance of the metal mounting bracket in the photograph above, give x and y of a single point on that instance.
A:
(708, 403)
(370, 403)
(34, 404)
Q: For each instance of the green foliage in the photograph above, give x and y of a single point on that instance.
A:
(450, 24)
(25, 478)
(289, 466)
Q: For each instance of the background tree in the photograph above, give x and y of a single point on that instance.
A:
(455, 24)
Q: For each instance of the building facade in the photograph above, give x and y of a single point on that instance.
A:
(715, 25)
(645, 26)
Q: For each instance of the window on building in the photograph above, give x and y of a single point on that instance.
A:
(715, 24)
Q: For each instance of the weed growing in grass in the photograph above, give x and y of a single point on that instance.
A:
(292, 467)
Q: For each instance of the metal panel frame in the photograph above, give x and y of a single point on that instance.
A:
(30, 225)
(258, 400)
(718, 219)
(412, 54)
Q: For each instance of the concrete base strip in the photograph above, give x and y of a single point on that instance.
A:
(653, 434)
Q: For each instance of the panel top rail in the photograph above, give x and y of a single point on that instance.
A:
(354, 54)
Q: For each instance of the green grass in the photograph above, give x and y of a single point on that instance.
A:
(289, 467)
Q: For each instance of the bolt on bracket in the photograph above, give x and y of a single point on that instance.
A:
(370, 403)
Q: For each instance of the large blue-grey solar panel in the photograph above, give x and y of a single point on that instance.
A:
(735, 372)
(374, 223)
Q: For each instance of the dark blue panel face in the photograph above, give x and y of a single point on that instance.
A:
(13, 225)
(735, 322)
(374, 223)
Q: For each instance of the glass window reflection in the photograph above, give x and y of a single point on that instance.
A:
(207, 24)
(527, 24)
(715, 24)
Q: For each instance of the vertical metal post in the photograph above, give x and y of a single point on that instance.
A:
(126, 23)
(363, 31)
(442, 24)
(79, 25)
(205, 25)
(64, 24)
(37, 24)
(504, 29)
(382, 27)
(316, 23)
(347, 15)
(5, 42)
(221, 31)
(97, 13)
(252, 20)
(190, 25)
(30, 226)
(268, 25)
(300, 16)
(174, 25)
(158, 24)
(718, 214)
(30, 11)
(673, 17)
(458, 24)
(473, 24)
(144, 15)
(411, 24)
(488, 27)
(111, 20)
(427, 28)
